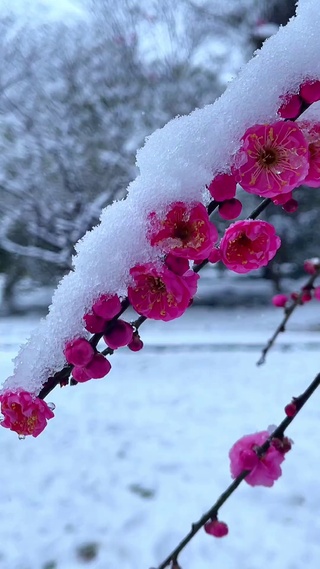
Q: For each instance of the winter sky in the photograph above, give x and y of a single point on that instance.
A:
(43, 8)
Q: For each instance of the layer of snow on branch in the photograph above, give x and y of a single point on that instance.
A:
(176, 163)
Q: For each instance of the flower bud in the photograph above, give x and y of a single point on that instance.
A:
(230, 209)
(280, 300)
(216, 528)
(79, 352)
(120, 335)
(107, 306)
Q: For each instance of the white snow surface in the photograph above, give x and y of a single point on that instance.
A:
(176, 163)
(130, 461)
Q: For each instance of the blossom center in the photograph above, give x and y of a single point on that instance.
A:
(156, 285)
(182, 231)
(241, 241)
(268, 157)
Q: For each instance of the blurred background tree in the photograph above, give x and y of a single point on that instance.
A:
(78, 97)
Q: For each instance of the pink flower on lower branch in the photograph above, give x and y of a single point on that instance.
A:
(159, 293)
(24, 413)
(248, 245)
(186, 231)
(273, 159)
(263, 471)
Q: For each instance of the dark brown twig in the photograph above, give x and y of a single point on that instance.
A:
(287, 314)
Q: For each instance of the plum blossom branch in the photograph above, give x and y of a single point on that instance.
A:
(61, 377)
(289, 310)
(212, 513)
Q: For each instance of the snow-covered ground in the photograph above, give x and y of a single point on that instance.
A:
(130, 461)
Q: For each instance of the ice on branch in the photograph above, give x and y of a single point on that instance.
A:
(177, 164)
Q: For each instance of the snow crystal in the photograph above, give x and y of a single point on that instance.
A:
(176, 163)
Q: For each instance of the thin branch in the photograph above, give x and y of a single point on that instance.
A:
(287, 314)
(261, 207)
(278, 433)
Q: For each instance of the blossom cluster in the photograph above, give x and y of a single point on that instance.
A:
(271, 161)
(308, 291)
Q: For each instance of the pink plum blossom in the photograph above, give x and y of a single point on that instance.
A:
(264, 470)
(186, 231)
(159, 293)
(230, 209)
(24, 413)
(79, 352)
(120, 335)
(107, 306)
(223, 187)
(291, 107)
(311, 131)
(248, 245)
(272, 159)
(310, 91)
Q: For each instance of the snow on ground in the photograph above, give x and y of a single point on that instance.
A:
(130, 461)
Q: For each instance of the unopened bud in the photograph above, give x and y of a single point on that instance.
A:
(216, 528)
(311, 265)
(290, 409)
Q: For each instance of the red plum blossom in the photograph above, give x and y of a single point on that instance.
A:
(24, 413)
(248, 245)
(272, 159)
(159, 293)
(186, 231)
(264, 470)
